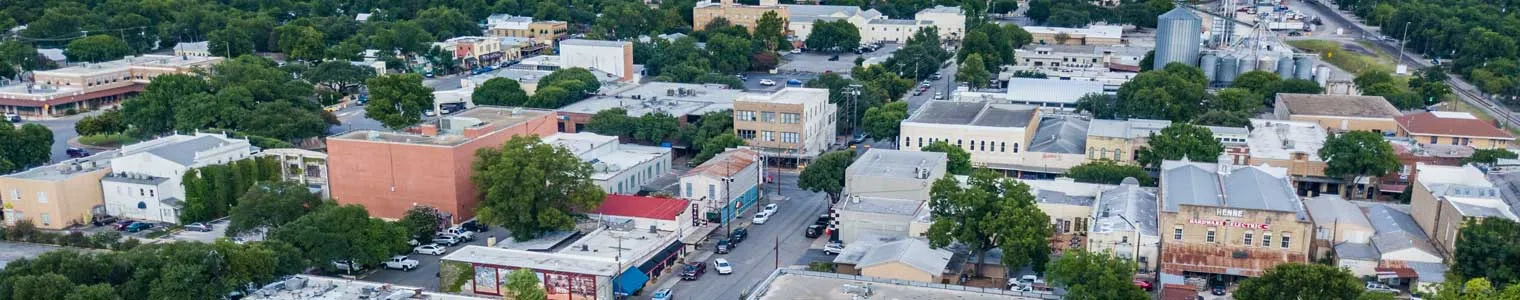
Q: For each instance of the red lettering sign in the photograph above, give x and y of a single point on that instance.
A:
(1228, 223)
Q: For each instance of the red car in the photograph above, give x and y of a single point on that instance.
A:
(1145, 285)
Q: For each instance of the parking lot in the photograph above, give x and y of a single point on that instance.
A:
(780, 78)
(426, 274)
(818, 62)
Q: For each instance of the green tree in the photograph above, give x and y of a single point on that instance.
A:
(1004, 6)
(717, 144)
(342, 233)
(960, 160)
(404, 36)
(833, 36)
(973, 72)
(1106, 171)
(614, 122)
(548, 97)
(770, 32)
(1488, 156)
(1100, 105)
(1299, 86)
(656, 127)
(397, 101)
(1301, 281)
(229, 42)
(96, 48)
(883, 122)
(421, 221)
(1358, 153)
(1262, 83)
(1087, 275)
(338, 76)
(109, 122)
(301, 42)
(1474, 289)
(524, 285)
(1172, 93)
(1039, 10)
(23, 148)
(1180, 140)
(1370, 78)
(826, 174)
(46, 286)
(730, 54)
(500, 91)
(1224, 118)
(530, 188)
(446, 22)
(1235, 100)
(16, 57)
(99, 291)
(990, 212)
(271, 205)
(1485, 249)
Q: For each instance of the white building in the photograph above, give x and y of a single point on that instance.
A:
(875, 26)
(950, 20)
(618, 168)
(1042, 92)
(992, 133)
(1124, 224)
(144, 183)
(886, 192)
(615, 57)
(192, 49)
(730, 180)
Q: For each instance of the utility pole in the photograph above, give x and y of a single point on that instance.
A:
(1402, 39)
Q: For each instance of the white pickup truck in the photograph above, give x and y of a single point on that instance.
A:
(401, 262)
(463, 235)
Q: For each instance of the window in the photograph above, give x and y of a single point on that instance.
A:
(907, 141)
(15, 194)
(791, 118)
(958, 144)
(1003, 146)
(921, 141)
(789, 137)
(1124, 239)
(746, 134)
(1015, 147)
(767, 116)
(712, 191)
(151, 193)
(1210, 237)
(1285, 242)
(46, 219)
(984, 146)
(745, 115)
(768, 136)
(1177, 233)
(42, 197)
(1248, 238)
(1433, 140)
(688, 190)
(142, 192)
(1266, 239)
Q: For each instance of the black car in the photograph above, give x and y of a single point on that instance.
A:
(692, 271)
(834, 58)
(723, 247)
(1217, 290)
(473, 225)
(813, 231)
(738, 235)
(102, 220)
(76, 152)
(823, 220)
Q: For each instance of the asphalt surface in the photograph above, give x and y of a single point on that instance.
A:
(63, 130)
(818, 62)
(426, 273)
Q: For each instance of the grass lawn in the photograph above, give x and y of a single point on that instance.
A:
(107, 140)
(1355, 62)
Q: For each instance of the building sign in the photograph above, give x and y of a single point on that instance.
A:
(1228, 223)
(1233, 213)
(695, 220)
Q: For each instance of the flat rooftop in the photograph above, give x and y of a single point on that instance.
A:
(676, 99)
(149, 60)
(578, 264)
(625, 158)
(1276, 139)
(1098, 31)
(973, 114)
(789, 95)
(309, 287)
(896, 163)
(882, 205)
(789, 284)
(1338, 105)
(31, 90)
(594, 43)
(1051, 90)
(497, 117)
(68, 168)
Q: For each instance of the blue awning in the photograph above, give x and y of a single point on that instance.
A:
(630, 281)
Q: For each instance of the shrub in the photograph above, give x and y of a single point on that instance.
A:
(105, 239)
(107, 140)
(75, 239)
(128, 244)
(24, 230)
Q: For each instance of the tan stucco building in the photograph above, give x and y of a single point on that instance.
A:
(1338, 113)
(59, 195)
(1118, 140)
(896, 258)
(793, 122)
(1091, 35)
(1444, 197)
(737, 14)
(1453, 128)
(545, 32)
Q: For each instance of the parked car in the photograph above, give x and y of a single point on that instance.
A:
(102, 220)
(139, 226)
(401, 262)
(771, 208)
(344, 265)
(834, 58)
(1217, 290)
(823, 220)
(793, 82)
(917, 92)
(463, 234)
(738, 235)
(198, 226)
(122, 225)
(723, 267)
(431, 249)
(833, 248)
(1144, 285)
(939, 95)
(723, 247)
(76, 152)
(446, 240)
(473, 225)
(937, 76)
(1379, 287)
(813, 231)
(662, 294)
(12, 117)
(796, 50)
(761, 218)
(767, 82)
(693, 271)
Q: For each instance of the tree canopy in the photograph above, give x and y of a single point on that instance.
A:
(990, 212)
(175, 270)
(1486, 249)
(883, 122)
(531, 188)
(1488, 156)
(1172, 93)
(499, 91)
(826, 174)
(1358, 153)
(960, 160)
(25, 147)
(249, 94)
(97, 48)
(270, 206)
(1301, 281)
(833, 36)
(1087, 275)
(397, 101)
(1106, 171)
(342, 233)
(1180, 140)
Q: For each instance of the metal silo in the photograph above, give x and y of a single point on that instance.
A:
(1285, 67)
(1247, 64)
(1266, 63)
(1304, 68)
(1210, 65)
(1177, 37)
(1229, 66)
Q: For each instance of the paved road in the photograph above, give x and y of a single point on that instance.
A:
(756, 257)
(63, 130)
(353, 118)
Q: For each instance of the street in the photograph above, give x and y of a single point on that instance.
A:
(63, 130)
(757, 256)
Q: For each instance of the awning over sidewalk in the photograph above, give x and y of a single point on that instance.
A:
(630, 281)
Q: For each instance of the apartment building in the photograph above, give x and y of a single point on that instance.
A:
(1226, 222)
(543, 33)
(736, 14)
(389, 172)
(59, 195)
(145, 180)
(90, 86)
(1338, 113)
(1453, 128)
(793, 122)
(1445, 197)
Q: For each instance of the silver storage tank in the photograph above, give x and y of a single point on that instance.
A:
(1177, 37)
(1210, 65)
(1229, 66)
(1304, 68)
(1285, 66)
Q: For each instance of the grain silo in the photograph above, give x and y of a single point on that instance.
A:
(1177, 38)
(1285, 67)
(1229, 66)
(1304, 69)
(1210, 65)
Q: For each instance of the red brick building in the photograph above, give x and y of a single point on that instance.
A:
(389, 172)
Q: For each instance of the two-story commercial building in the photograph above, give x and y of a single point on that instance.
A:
(992, 133)
(543, 33)
(1338, 113)
(886, 191)
(59, 195)
(1446, 197)
(727, 184)
(617, 168)
(145, 180)
(89, 86)
(1294, 145)
(1453, 128)
(1090, 35)
(1224, 222)
(736, 14)
(1124, 223)
(795, 123)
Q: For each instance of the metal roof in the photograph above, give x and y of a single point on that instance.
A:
(913, 252)
(1125, 207)
(1056, 197)
(1400, 240)
(183, 152)
(1052, 90)
(1060, 134)
(974, 114)
(1357, 251)
(1213, 185)
(1328, 209)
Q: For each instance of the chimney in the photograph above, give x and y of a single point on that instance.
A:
(428, 129)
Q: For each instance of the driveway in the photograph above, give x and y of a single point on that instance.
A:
(818, 62)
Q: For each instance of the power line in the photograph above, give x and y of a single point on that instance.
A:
(81, 34)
